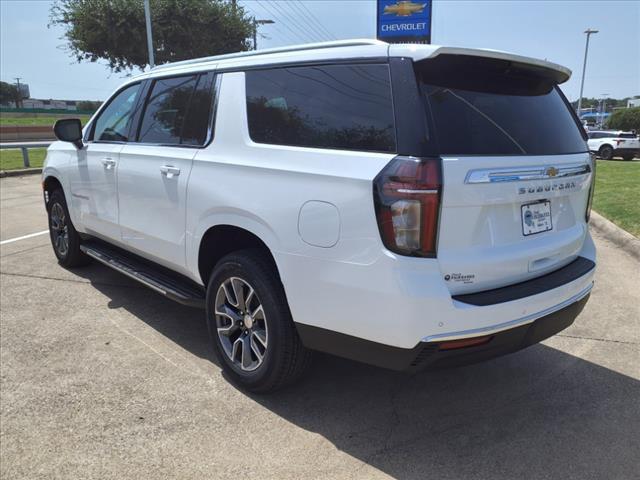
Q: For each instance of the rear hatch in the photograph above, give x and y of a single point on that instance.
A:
(515, 167)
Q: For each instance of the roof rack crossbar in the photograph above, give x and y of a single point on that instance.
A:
(266, 51)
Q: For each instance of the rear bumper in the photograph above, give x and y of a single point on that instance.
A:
(400, 302)
(430, 355)
(574, 270)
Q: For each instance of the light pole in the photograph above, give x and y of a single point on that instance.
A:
(147, 19)
(255, 30)
(602, 108)
(588, 31)
(19, 93)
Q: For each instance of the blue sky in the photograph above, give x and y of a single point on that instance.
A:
(544, 29)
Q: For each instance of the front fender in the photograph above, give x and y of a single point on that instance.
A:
(59, 162)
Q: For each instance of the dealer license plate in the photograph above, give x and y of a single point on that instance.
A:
(536, 217)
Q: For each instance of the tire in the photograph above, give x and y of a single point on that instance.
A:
(65, 240)
(606, 152)
(628, 156)
(268, 331)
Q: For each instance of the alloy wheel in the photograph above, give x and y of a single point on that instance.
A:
(241, 324)
(59, 229)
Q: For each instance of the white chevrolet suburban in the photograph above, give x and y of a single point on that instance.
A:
(408, 206)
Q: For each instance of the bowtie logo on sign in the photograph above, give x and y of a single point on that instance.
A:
(404, 21)
(404, 9)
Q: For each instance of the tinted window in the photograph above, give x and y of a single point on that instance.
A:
(196, 124)
(627, 135)
(114, 121)
(340, 106)
(499, 109)
(166, 110)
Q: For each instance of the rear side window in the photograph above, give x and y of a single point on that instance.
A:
(113, 123)
(597, 135)
(177, 111)
(497, 108)
(196, 124)
(339, 106)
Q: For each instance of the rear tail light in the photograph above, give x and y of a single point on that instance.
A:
(592, 187)
(407, 200)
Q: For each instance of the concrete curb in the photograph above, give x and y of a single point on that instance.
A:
(19, 172)
(616, 235)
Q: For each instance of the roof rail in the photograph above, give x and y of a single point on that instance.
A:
(266, 51)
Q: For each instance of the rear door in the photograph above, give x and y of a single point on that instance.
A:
(154, 170)
(516, 172)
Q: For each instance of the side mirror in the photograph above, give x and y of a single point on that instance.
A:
(69, 130)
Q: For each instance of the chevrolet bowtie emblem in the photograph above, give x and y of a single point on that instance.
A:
(551, 171)
(404, 8)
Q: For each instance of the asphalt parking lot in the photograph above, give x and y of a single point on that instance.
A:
(102, 378)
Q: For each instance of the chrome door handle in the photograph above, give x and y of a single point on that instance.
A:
(169, 171)
(108, 163)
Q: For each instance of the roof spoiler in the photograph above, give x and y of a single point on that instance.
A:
(557, 73)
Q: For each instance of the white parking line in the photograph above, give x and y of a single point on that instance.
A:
(24, 237)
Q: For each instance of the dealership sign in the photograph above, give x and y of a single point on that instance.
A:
(404, 21)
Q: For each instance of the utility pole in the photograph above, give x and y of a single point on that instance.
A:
(589, 32)
(19, 96)
(147, 18)
(255, 30)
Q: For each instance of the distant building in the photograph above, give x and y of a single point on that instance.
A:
(633, 102)
(50, 104)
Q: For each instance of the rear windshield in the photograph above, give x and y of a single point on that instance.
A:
(495, 107)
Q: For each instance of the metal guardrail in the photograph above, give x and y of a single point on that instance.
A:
(25, 146)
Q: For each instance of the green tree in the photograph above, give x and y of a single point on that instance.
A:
(609, 103)
(114, 30)
(625, 119)
(8, 93)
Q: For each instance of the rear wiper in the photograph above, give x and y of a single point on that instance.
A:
(487, 117)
